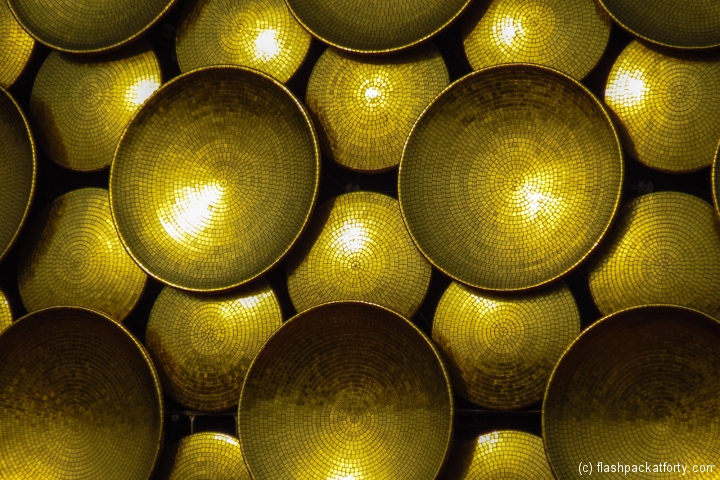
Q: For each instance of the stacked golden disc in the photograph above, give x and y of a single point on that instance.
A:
(204, 456)
(5, 312)
(16, 46)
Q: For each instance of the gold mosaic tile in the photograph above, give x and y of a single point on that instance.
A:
(204, 456)
(5, 314)
(16, 46)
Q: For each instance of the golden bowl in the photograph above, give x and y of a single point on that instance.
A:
(204, 456)
(501, 349)
(641, 386)
(87, 26)
(371, 27)
(673, 23)
(79, 398)
(72, 256)
(215, 178)
(367, 106)
(203, 345)
(511, 177)
(346, 390)
(6, 317)
(567, 35)
(80, 106)
(260, 34)
(16, 46)
(669, 106)
(664, 248)
(357, 248)
(17, 170)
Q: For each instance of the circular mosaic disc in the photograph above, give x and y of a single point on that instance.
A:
(664, 248)
(668, 105)
(357, 248)
(342, 391)
(368, 105)
(641, 386)
(5, 312)
(568, 35)
(501, 349)
(204, 456)
(511, 177)
(72, 257)
(505, 454)
(373, 27)
(81, 105)
(79, 398)
(215, 178)
(203, 345)
(260, 34)
(16, 46)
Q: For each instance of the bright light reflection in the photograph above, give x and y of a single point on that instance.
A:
(227, 439)
(486, 303)
(489, 441)
(353, 237)
(267, 45)
(346, 472)
(374, 91)
(371, 93)
(231, 308)
(191, 212)
(627, 88)
(534, 200)
(508, 29)
(141, 91)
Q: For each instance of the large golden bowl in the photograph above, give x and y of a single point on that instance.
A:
(668, 104)
(357, 248)
(204, 456)
(16, 46)
(664, 248)
(372, 27)
(80, 106)
(511, 177)
(6, 318)
(640, 387)
(203, 345)
(342, 391)
(79, 399)
(568, 35)
(215, 178)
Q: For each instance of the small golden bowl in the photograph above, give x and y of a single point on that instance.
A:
(204, 455)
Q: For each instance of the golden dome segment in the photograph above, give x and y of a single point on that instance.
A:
(5, 313)
(16, 46)
(204, 456)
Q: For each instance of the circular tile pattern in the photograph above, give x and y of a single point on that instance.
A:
(664, 248)
(5, 314)
(79, 398)
(204, 456)
(80, 105)
(357, 248)
(669, 106)
(511, 177)
(346, 390)
(638, 386)
(203, 345)
(367, 106)
(501, 349)
(215, 178)
(16, 46)
(260, 34)
(372, 27)
(568, 35)
(72, 257)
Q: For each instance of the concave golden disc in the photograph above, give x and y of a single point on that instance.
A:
(16, 46)
(346, 390)
(505, 454)
(511, 177)
(368, 105)
(568, 35)
(260, 34)
(79, 398)
(87, 26)
(501, 349)
(664, 248)
(640, 387)
(5, 313)
(669, 106)
(81, 105)
(357, 248)
(203, 345)
(373, 27)
(204, 456)
(72, 257)
(215, 178)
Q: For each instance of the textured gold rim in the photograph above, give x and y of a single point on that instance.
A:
(714, 179)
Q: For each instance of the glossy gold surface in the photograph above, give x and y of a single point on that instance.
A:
(640, 386)
(260, 34)
(375, 27)
(357, 248)
(80, 105)
(511, 177)
(366, 106)
(715, 181)
(203, 345)
(204, 456)
(215, 178)
(79, 399)
(16, 46)
(504, 454)
(5, 314)
(343, 391)
(664, 248)
(72, 257)
(501, 349)
(669, 106)
(87, 26)
(568, 35)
